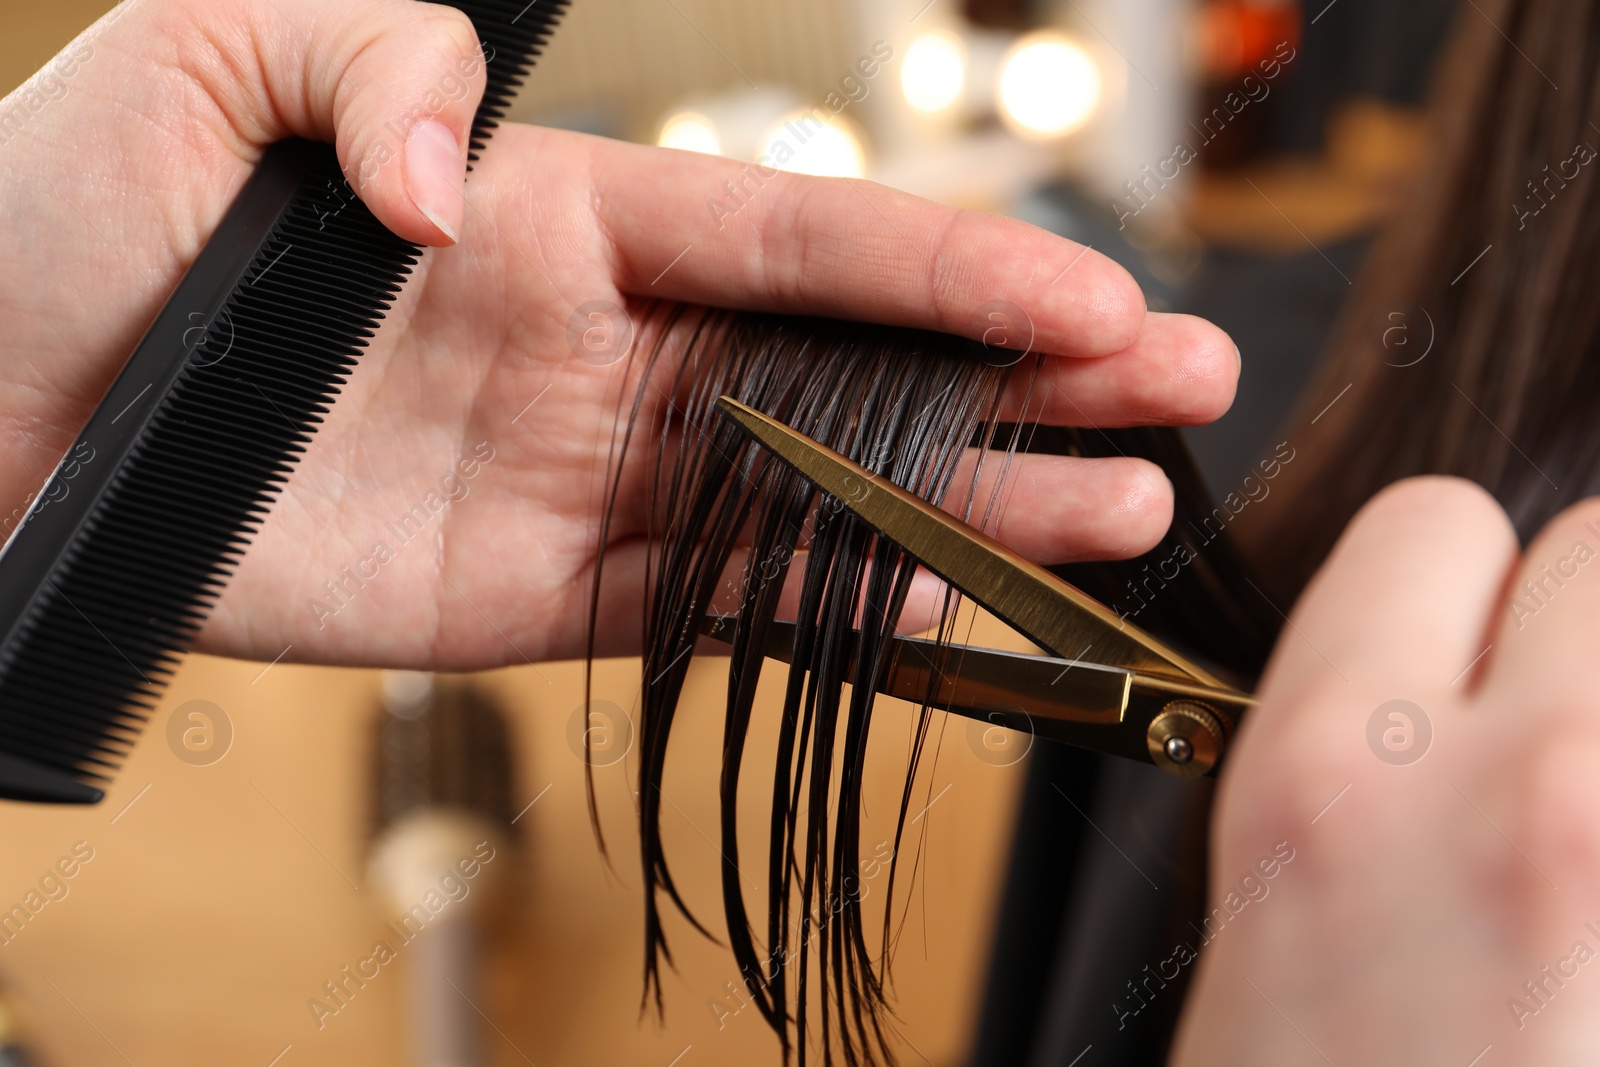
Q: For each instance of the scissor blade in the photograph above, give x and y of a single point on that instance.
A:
(1090, 705)
(1040, 605)
(979, 683)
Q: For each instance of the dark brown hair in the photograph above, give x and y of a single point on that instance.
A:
(1487, 279)
(906, 404)
(902, 403)
(1469, 346)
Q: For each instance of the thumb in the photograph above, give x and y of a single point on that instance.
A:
(393, 83)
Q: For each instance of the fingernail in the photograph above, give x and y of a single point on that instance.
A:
(434, 174)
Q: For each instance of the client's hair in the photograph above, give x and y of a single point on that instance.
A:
(901, 403)
(1489, 278)
(1491, 274)
(905, 404)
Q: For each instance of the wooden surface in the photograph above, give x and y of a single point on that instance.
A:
(31, 31)
(220, 898)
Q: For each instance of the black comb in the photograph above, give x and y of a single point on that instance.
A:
(122, 554)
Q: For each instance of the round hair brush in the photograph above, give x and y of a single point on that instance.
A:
(442, 781)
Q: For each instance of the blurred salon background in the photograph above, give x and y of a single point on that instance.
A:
(276, 821)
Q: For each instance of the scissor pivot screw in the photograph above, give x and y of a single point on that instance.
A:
(1185, 739)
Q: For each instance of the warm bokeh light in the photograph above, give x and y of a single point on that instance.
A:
(692, 132)
(1049, 86)
(802, 143)
(934, 71)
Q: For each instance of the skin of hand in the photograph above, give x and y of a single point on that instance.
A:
(133, 143)
(1442, 898)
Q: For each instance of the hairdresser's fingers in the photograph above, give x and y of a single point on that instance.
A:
(924, 606)
(1549, 626)
(716, 231)
(1403, 605)
(1398, 613)
(1181, 371)
(752, 575)
(1054, 509)
(393, 82)
(746, 575)
(1061, 509)
(927, 604)
(1543, 711)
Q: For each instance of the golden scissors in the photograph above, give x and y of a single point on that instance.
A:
(1106, 684)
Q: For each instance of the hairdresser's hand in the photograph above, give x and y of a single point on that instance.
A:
(1422, 896)
(125, 154)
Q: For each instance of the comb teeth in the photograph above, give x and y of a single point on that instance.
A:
(140, 578)
(517, 31)
(105, 625)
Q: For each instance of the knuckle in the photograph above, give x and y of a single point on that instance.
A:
(1450, 514)
(948, 275)
(1554, 794)
(449, 29)
(1293, 757)
(781, 228)
(1102, 301)
(439, 46)
(1458, 498)
(1571, 525)
(1118, 307)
